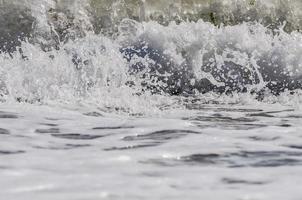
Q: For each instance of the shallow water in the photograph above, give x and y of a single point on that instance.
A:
(208, 151)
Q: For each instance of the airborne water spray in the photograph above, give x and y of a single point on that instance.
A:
(161, 47)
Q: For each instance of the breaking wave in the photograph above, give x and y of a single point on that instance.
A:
(144, 55)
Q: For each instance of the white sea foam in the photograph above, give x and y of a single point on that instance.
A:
(92, 68)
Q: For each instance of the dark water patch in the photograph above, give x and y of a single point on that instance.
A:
(3, 152)
(49, 124)
(194, 159)
(285, 125)
(260, 115)
(266, 154)
(160, 135)
(235, 160)
(258, 138)
(265, 158)
(4, 131)
(234, 181)
(130, 147)
(243, 110)
(294, 116)
(50, 130)
(77, 136)
(245, 126)
(77, 145)
(160, 162)
(199, 106)
(22, 136)
(201, 158)
(220, 118)
(5, 115)
(229, 126)
(94, 114)
(269, 114)
(226, 122)
(227, 107)
(294, 146)
(208, 105)
(281, 111)
(273, 163)
(112, 127)
(53, 119)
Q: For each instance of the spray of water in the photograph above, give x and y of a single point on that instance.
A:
(82, 52)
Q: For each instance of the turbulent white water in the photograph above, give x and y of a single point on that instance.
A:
(185, 99)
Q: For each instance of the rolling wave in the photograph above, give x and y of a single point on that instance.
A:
(84, 50)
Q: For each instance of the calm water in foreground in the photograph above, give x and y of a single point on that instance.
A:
(203, 152)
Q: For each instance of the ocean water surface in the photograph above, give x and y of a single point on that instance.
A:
(150, 100)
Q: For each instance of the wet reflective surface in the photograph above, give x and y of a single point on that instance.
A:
(213, 152)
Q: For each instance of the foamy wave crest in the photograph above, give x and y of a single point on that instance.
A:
(78, 66)
(61, 53)
(204, 57)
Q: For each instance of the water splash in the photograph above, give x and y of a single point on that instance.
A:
(63, 51)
